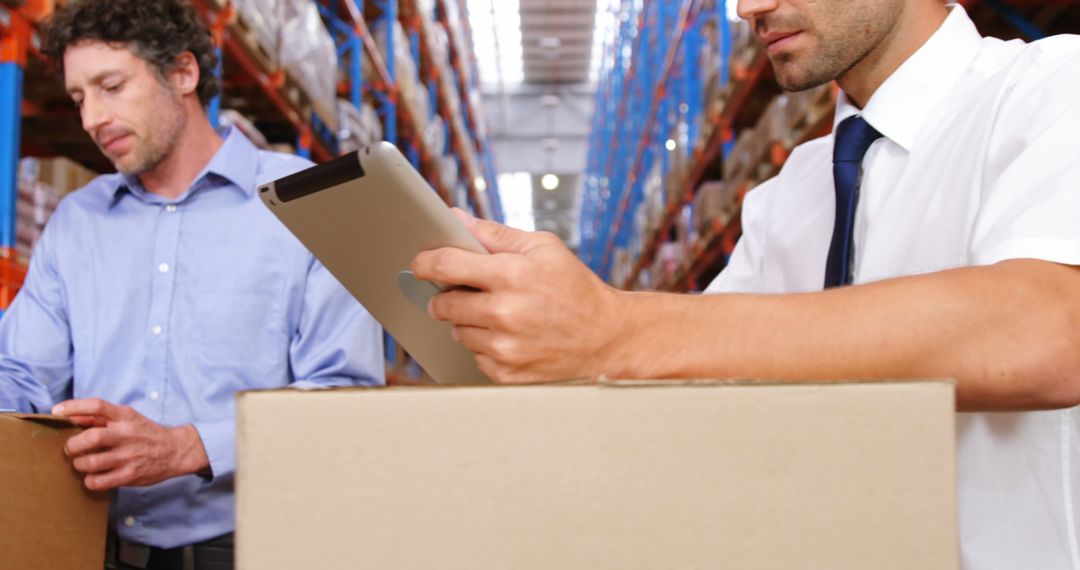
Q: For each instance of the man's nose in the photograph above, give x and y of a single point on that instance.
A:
(750, 9)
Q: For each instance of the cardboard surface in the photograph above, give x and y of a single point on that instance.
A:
(47, 518)
(642, 476)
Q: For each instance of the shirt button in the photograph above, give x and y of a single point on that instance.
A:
(170, 208)
(157, 330)
(129, 522)
(154, 395)
(163, 268)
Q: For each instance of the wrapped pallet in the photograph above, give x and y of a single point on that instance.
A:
(435, 135)
(411, 93)
(714, 206)
(357, 128)
(259, 22)
(448, 170)
(36, 201)
(457, 36)
(234, 119)
(309, 56)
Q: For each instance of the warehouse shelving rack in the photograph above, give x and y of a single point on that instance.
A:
(612, 125)
(348, 23)
(669, 29)
(442, 96)
(18, 42)
(244, 68)
(464, 63)
(635, 100)
(464, 82)
(629, 94)
(234, 47)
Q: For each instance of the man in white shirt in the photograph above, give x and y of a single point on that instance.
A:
(960, 235)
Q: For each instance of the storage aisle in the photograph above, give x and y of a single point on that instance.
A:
(689, 119)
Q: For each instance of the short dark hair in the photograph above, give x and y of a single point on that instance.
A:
(157, 31)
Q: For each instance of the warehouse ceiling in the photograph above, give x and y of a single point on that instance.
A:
(540, 42)
(557, 40)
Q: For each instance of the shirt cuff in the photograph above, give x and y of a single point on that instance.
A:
(336, 382)
(219, 441)
(16, 403)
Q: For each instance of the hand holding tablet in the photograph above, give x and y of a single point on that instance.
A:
(365, 216)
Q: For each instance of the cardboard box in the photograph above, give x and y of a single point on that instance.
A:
(621, 476)
(64, 174)
(49, 519)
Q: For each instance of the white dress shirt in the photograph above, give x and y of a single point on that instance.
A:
(979, 163)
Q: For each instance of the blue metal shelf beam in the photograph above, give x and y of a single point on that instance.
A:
(640, 101)
(1030, 31)
(389, 103)
(671, 32)
(214, 112)
(700, 157)
(14, 45)
(11, 84)
(611, 129)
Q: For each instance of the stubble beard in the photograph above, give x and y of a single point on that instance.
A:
(161, 140)
(828, 64)
(837, 53)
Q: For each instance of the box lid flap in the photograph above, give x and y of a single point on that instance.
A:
(55, 421)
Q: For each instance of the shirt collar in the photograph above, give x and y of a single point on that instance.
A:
(902, 104)
(235, 162)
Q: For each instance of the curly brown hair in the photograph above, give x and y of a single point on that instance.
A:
(157, 31)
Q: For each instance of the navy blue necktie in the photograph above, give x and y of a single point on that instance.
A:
(853, 137)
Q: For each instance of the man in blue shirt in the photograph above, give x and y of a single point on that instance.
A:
(156, 293)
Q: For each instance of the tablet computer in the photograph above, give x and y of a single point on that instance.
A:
(365, 216)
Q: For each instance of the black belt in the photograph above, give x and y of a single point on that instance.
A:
(213, 554)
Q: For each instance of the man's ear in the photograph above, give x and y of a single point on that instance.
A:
(184, 76)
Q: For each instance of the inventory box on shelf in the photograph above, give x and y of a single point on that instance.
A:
(619, 475)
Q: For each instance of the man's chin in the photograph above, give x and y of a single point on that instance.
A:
(791, 80)
(128, 167)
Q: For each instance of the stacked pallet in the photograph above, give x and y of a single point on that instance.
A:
(289, 36)
(42, 183)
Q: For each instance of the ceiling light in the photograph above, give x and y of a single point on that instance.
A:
(550, 42)
(549, 182)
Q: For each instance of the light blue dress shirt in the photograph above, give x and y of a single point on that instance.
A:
(171, 307)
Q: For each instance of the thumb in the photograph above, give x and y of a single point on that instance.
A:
(496, 237)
